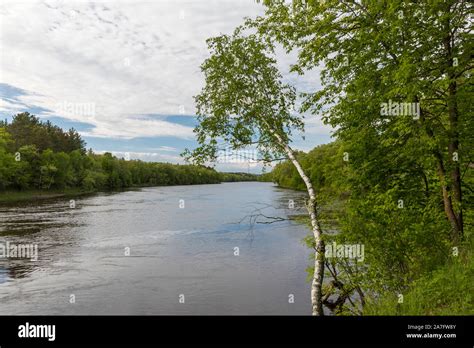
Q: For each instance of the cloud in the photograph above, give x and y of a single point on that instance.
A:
(145, 156)
(130, 128)
(10, 105)
(122, 58)
(115, 65)
(166, 148)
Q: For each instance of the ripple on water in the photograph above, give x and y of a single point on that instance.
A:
(172, 251)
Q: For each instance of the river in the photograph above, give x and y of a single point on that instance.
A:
(156, 251)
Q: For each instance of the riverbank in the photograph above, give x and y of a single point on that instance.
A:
(34, 195)
(444, 288)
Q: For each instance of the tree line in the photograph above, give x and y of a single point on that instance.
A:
(41, 156)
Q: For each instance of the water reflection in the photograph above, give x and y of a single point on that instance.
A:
(172, 251)
(45, 224)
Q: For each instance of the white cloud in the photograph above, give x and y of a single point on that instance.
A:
(239, 167)
(165, 148)
(129, 128)
(144, 156)
(10, 106)
(126, 58)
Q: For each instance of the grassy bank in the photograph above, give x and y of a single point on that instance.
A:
(448, 290)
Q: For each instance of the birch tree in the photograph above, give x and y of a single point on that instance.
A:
(244, 102)
(411, 179)
(372, 52)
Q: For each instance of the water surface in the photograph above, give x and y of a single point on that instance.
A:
(175, 252)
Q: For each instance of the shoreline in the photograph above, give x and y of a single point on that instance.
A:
(37, 195)
(7, 197)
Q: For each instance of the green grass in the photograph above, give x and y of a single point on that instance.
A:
(448, 290)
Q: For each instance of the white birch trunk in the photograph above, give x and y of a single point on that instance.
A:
(318, 276)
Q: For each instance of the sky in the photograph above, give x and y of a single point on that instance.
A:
(123, 73)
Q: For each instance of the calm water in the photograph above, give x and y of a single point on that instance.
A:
(173, 251)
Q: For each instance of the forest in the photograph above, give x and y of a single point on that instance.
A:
(36, 155)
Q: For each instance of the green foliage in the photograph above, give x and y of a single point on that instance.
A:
(374, 52)
(325, 167)
(446, 290)
(27, 129)
(27, 163)
(265, 177)
(244, 101)
(232, 177)
(404, 241)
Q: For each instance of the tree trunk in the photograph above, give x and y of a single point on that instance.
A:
(448, 203)
(318, 275)
(445, 187)
(453, 147)
(453, 134)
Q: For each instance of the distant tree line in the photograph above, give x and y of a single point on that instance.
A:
(233, 177)
(39, 155)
